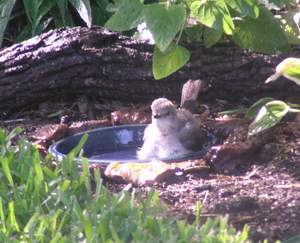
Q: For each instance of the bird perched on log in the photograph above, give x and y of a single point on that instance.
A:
(173, 133)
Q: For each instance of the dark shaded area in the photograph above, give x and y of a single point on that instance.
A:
(102, 64)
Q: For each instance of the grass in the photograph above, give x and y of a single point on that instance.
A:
(40, 202)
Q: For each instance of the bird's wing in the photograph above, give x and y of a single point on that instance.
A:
(191, 134)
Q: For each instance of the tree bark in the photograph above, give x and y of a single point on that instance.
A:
(96, 62)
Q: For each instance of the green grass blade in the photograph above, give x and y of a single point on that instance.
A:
(12, 217)
(6, 170)
(2, 217)
(6, 8)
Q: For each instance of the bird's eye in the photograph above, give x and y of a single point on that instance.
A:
(156, 116)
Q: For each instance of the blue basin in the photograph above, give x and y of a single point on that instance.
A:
(112, 144)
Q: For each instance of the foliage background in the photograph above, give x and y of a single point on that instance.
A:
(267, 26)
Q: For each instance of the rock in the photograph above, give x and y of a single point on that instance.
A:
(151, 172)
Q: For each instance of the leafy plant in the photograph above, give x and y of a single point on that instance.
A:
(40, 202)
(269, 115)
(268, 111)
(249, 23)
(6, 8)
(289, 68)
(40, 15)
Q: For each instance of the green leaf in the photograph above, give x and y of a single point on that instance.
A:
(291, 33)
(164, 23)
(193, 33)
(99, 12)
(12, 217)
(62, 6)
(289, 68)
(268, 116)
(15, 132)
(166, 63)
(6, 8)
(262, 34)
(113, 7)
(213, 14)
(253, 110)
(55, 114)
(232, 112)
(293, 73)
(2, 216)
(245, 7)
(64, 186)
(31, 9)
(128, 16)
(25, 33)
(35, 11)
(45, 8)
(83, 8)
(6, 170)
(37, 167)
(211, 36)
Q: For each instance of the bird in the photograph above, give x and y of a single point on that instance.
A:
(289, 68)
(172, 133)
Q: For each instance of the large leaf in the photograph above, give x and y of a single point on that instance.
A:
(128, 16)
(268, 116)
(253, 110)
(44, 9)
(6, 7)
(24, 34)
(62, 6)
(245, 7)
(214, 14)
(83, 8)
(211, 36)
(65, 17)
(193, 33)
(293, 73)
(164, 23)
(99, 12)
(262, 34)
(165, 63)
(289, 68)
(31, 9)
(35, 11)
(289, 22)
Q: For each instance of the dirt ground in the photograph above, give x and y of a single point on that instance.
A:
(265, 195)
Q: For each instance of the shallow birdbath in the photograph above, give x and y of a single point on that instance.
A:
(114, 148)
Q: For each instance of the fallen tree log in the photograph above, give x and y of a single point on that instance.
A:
(96, 62)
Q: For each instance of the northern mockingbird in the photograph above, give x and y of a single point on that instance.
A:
(172, 133)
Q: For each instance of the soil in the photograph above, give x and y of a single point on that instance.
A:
(265, 195)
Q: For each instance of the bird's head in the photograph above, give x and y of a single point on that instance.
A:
(163, 114)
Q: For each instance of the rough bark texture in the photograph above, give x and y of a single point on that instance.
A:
(72, 61)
